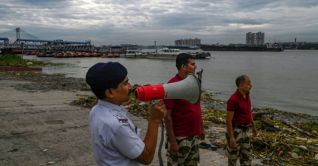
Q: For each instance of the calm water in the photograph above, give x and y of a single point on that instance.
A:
(286, 80)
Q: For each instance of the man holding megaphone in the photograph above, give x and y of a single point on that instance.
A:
(115, 139)
(183, 120)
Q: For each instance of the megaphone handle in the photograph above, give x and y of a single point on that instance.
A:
(153, 102)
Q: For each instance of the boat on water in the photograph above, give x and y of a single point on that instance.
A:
(164, 53)
(87, 54)
(44, 55)
(276, 47)
(109, 55)
(94, 54)
(80, 54)
(134, 54)
(183, 47)
(200, 55)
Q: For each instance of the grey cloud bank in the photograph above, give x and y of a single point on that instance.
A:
(145, 21)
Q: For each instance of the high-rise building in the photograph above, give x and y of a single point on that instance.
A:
(255, 38)
(187, 42)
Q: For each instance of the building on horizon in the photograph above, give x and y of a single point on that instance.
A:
(255, 38)
(188, 42)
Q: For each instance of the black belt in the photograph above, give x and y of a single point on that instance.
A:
(243, 127)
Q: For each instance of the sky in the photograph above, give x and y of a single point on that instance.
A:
(142, 22)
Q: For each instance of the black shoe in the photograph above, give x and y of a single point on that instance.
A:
(204, 145)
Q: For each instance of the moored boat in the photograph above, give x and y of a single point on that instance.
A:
(66, 55)
(164, 53)
(80, 54)
(132, 54)
(41, 54)
(58, 55)
(103, 55)
(73, 55)
(184, 47)
(200, 55)
(110, 55)
(95, 54)
(87, 54)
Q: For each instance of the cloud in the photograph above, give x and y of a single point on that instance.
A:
(145, 21)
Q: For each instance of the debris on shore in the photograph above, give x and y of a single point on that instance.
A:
(44, 82)
(279, 142)
(284, 138)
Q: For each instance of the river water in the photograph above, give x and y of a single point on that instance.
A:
(286, 81)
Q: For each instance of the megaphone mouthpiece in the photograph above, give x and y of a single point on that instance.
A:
(150, 92)
(188, 89)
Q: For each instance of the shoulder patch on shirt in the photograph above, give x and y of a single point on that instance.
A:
(121, 119)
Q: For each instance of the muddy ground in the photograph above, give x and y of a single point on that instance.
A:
(39, 126)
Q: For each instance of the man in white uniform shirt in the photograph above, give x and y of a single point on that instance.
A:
(115, 139)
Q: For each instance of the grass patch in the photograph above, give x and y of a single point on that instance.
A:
(18, 61)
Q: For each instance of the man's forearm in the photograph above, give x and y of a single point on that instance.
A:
(169, 128)
(229, 128)
(151, 138)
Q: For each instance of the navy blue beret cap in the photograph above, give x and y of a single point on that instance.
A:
(105, 75)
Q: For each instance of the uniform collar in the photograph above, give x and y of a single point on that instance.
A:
(112, 106)
(240, 96)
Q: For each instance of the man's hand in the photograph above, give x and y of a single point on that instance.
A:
(202, 136)
(157, 112)
(233, 144)
(254, 131)
(174, 148)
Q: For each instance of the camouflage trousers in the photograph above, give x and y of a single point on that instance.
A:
(244, 149)
(188, 153)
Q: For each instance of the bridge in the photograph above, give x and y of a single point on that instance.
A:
(33, 43)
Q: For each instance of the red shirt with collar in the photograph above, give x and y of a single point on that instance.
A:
(241, 107)
(186, 117)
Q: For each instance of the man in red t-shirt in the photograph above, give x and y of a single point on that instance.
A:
(238, 122)
(183, 121)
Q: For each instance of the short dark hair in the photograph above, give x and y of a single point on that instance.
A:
(183, 59)
(240, 80)
(100, 93)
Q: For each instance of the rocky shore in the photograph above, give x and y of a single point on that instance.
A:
(43, 121)
(40, 126)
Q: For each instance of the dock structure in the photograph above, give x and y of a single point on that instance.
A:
(4, 42)
(44, 45)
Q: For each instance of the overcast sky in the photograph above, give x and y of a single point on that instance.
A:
(106, 22)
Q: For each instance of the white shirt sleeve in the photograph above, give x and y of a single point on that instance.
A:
(127, 142)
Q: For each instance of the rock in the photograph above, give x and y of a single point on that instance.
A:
(314, 132)
(295, 155)
(302, 147)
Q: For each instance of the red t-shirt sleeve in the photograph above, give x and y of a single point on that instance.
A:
(230, 105)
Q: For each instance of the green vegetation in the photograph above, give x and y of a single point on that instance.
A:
(18, 61)
(282, 143)
(207, 97)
